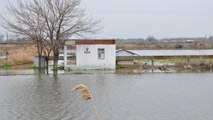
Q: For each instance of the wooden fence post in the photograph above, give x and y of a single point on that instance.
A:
(152, 64)
(188, 59)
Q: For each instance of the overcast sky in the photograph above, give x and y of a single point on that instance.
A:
(141, 18)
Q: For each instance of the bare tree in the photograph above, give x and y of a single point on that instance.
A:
(63, 19)
(27, 24)
(51, 21)
(47, 51)
(151, 39)
(1, 37)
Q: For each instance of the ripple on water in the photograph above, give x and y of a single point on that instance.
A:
(117, 97)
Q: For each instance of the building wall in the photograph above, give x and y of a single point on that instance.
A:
(89, 60)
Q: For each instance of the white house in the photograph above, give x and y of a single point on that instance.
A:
(95, 54)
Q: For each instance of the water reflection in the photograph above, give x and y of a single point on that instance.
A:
(117, 97)
(41, 71)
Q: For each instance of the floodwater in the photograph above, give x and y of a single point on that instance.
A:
(182, 96)
(24, 70)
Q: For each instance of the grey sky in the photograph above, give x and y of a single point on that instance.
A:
(141, 18)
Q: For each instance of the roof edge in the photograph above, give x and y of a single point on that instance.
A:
(95, 41)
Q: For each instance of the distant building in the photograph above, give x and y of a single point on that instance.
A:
(124, 52)
(94, 54)
(164, 53)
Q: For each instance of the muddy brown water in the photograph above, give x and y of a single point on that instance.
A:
(117, 97)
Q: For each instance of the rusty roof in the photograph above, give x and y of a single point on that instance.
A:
(101, 41)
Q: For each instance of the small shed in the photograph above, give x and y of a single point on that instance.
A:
(36, 61)
(95, 54)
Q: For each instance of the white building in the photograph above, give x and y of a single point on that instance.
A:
(95, 54)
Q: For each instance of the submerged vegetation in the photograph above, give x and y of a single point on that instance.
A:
(167, 65)
(178, 60)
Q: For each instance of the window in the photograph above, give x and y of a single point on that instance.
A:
(101, 53)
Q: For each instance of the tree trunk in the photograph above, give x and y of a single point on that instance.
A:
(55, 63)
(39, 59)
(47, 64)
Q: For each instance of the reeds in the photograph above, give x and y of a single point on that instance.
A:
(19, 56)
(84, 91)
(86, 95)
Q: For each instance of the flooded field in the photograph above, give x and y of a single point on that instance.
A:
(183, 96)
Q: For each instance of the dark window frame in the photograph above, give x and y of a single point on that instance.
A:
(101, 53)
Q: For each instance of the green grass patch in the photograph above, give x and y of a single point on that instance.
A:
(61, 68)
(118, 67)
(34, 67)
(6, 66)
(172, 60)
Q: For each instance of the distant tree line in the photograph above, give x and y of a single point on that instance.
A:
(167, 43)
(152, 39)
